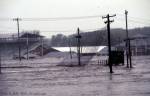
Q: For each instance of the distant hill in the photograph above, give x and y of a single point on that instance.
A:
(98, 37)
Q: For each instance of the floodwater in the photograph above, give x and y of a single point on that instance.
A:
(44, 78)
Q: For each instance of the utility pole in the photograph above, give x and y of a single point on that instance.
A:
(109, 40)
(19, 47)
(69, 43)
(127, 37)
(42, 47)
(0, 62)
(128, 45)
(130, 59)
(78, 46)
(27, 46)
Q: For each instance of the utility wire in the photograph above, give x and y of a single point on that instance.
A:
(134, 18)
(134, 21)
(60, 18)
(70, 18)
(6, 19)
(84, 30)
(52, 19)
(142, 19)
(140, 22)
(7, 27)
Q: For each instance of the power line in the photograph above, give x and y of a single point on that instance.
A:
(60, 18)
(143, 19)
(53, 19)
(83, 30)
(87, 30)
(7, 27)
(6, 19)
(140, 22)
(146, 21)
(137, 18)
(135, 21)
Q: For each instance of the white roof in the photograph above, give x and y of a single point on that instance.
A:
(84, 49)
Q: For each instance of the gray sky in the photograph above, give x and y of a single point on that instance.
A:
(138, 11)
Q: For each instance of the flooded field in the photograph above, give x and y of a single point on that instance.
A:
(43, 78)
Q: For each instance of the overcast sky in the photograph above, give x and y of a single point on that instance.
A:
(138, 11)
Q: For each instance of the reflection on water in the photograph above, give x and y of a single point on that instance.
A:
(90, 80)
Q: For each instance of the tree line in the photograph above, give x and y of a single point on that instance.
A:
(98, 37)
